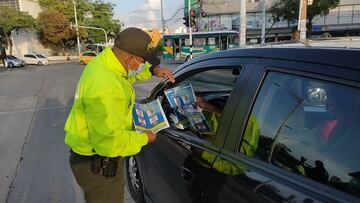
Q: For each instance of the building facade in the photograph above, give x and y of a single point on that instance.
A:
(25, 41)
(30, 6)
(12, 3)
(344, 20)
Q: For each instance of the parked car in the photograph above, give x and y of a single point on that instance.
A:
(288, 131)
(86, 57)
(36, 59)
(13, 61)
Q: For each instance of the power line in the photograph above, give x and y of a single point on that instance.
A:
(174, 14)
(148, 10)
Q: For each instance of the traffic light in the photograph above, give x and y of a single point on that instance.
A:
(186, 21)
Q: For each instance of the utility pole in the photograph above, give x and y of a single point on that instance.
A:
(77, 30)
(190, 29)
(162, 17)
(242, 26)
(263, 26)
(302, 19)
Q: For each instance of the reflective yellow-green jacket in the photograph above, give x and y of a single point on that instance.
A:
(100, 121)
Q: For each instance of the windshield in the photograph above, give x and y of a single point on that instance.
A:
(40, 56)
(11, 57)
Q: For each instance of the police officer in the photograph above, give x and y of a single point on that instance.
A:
(99, 129)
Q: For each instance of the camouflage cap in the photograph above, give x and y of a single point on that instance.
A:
(137, 42)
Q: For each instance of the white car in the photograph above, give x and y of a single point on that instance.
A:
(37, 59)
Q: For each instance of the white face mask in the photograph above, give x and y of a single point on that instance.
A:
(132, 72)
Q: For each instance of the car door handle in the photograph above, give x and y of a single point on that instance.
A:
(187, 175)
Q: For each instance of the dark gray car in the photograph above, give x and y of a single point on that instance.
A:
(284, 127)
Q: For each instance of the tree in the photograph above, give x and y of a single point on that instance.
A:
(289, 10)
(54, 29)
(12, 19)
(101, 16)
(89, 13)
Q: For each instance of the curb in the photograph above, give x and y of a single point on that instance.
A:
(63, 61)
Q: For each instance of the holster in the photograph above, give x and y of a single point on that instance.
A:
(105, 165)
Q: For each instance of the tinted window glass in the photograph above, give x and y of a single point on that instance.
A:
(40, 56)
(30, 56)
(307, 126)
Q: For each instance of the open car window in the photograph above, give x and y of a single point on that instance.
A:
(199, 113)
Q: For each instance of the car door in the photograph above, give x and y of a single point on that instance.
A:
(175, 168)
(30, 59)
(294, 137)
(27, 59)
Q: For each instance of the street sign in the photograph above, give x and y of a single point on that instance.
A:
(310, 2)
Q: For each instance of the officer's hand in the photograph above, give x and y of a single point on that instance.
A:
(164, 73)
(151, 136)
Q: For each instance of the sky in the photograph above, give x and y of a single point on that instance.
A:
(147, 13)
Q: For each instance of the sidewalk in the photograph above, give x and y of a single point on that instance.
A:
(63, 61)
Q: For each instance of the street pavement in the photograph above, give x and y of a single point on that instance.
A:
(34, 104)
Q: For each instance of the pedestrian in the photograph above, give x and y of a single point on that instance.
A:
(99, 129)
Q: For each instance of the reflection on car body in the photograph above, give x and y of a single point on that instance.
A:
(285, 129)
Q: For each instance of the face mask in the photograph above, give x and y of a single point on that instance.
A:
(132, 72)
(136, 72)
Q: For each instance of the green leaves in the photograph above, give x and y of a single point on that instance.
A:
(14, 19)
(54, 28)
(89, 13)
(289, 9)
(102, 17)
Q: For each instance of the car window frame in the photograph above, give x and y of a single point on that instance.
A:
(190, 73)
(191, 69)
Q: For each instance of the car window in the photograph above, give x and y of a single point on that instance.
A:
(309, 127)
(40, 56)
(212, 89)
(11, 57)
(89, 54)
(30, 56)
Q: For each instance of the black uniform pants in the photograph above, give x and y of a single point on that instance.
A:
(98, 188)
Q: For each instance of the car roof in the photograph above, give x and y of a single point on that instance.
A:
(349, 58)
